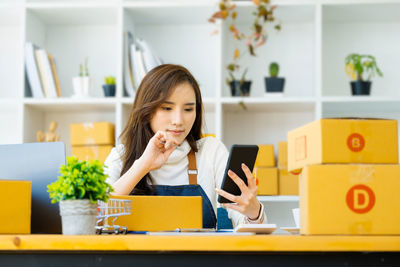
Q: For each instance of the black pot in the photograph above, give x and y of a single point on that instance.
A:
(360, 88)
(274, 84)
(240, 88)
(109, 90)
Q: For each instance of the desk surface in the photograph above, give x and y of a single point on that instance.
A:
(199, 243)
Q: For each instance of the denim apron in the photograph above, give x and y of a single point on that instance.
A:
(192, 189)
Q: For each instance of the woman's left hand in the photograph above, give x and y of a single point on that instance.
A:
(247, 203)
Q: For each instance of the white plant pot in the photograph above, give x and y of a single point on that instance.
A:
(78, 217)
(81, 86)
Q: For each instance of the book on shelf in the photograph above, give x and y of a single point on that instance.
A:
(149, 58)
(32, 72)
(128, 74)
(55, 75)
(142, 60)
(137, 66)
(45, 73)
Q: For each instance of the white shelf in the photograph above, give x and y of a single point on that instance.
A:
(278, 198)
(360, 99)
(71, 104)
(266, 104)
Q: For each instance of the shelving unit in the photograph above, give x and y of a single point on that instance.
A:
(316, 36)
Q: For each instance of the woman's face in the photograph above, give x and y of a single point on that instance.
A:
(177, 114)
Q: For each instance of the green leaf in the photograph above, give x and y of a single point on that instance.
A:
(80, 180)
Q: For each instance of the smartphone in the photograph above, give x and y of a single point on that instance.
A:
(238, 154)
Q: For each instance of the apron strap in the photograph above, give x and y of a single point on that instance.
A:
(192, 167)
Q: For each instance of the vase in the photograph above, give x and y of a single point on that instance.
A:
(78, 217)
(360, 88)
(239, 88)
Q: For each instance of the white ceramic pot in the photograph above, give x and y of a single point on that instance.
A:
(78, 217)
(81, 86)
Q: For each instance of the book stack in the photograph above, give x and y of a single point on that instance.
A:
(350, 177)
(139, 59)
(41, 72)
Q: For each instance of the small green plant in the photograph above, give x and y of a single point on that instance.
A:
(273, 69)
(357, 65)
(80, 180)
(83, 69)
(109, 80)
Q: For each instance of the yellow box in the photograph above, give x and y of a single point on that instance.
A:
(95, 133)
(162, 213)
(265, 156)
(288, 183)
(343, 141)
(267, 180)
(350, 199)
(282, 155)
(92, 152)
(15, 210)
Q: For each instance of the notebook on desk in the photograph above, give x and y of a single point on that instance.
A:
(162, 213)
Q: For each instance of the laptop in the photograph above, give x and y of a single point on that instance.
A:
(39, 163)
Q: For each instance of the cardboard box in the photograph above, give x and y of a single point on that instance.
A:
(265, 156)
(352, 199)
(92, 152)
(15, 210)
(162, 213)
(288, 183)
(267, 180)
(343, 141)
(283, 155)
(96, 133)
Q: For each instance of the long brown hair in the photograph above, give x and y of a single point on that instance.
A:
(153, 91)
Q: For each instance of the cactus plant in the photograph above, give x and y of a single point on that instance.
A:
(110, 80)
(84, 67)
(274, 69)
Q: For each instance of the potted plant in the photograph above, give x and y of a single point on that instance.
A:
(83, 82)
(273, 84)
(238, 87)
(357, 66)
(77, 189)
(109, 86)
(263, 15)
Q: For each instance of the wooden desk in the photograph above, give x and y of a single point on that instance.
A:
(274, 250)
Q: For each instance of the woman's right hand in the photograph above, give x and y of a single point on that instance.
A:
(158, 150)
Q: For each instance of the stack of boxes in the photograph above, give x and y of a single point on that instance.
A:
(265, 171)
(350, 178)
(92, 140)
(288, 181)
(270, 179)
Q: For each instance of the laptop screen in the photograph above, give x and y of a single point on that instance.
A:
(39, 163)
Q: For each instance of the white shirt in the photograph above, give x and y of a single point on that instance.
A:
(211, 160)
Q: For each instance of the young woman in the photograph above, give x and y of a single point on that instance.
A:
(162, 152)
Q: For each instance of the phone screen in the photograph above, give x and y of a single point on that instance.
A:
(238, 154)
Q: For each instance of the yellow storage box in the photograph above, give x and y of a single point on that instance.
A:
(96, 133)
(162, 213)
(350, 199)
(282, 155)
(15, 210)
(343, 141)
(288, 183)
(265, 156)
(92, 152)
(267, 180)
